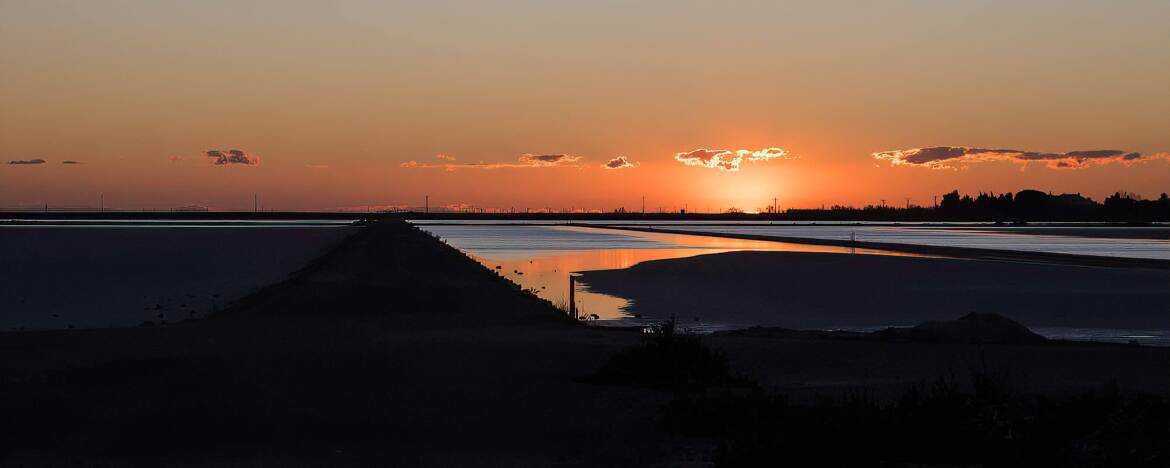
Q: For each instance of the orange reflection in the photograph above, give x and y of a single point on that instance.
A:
(547, 272)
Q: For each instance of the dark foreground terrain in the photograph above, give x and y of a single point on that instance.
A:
(817, 290)
(396, 349)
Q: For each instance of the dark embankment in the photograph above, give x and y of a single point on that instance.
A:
(815, 290)
(393, 349)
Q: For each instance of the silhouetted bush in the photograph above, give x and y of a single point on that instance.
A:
(669, 360)
(936, 424)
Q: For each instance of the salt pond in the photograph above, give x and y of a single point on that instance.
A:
(124, 274)
(540, 258)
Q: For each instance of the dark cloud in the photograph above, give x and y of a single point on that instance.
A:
(728, 160)
(232, 157)
(952, 157)
(70, 161)
(547, 159)
(27, 161)
(619, 162)
(526, 160)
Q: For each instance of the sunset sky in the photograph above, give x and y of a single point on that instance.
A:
(707, 105)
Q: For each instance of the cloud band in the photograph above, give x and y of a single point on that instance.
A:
(954, 157)
(527, 160)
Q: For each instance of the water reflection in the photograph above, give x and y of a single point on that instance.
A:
(541, 258)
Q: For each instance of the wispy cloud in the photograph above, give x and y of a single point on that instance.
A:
(729, 160)
(527, 160)
(954, 157)
(70, 161)
(232, 157)
(619, 162)
(21, 162)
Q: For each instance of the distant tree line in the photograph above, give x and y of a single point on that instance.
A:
(1025, 205)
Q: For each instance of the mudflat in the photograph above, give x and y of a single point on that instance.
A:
(813, 290)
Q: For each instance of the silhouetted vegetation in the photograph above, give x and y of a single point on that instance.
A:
(667, 359)
(937, 424)
(1026, 205)
(977, 421)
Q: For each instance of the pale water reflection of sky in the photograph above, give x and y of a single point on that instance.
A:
(540, 258)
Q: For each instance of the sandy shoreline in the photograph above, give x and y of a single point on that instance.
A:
(946, 251)
(395, 348)
(817, 290)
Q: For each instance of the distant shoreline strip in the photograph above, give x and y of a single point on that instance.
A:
(974, 253)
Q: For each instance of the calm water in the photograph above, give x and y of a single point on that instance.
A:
(540, 257)
(959, 237)
(116, 275)
(937, 234)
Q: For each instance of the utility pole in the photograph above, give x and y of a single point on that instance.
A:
(255, 202)
(907, 203)
(102, 202)
(572, 296)
(883, 203)
(936, 201)
(775, 205)
(643, 204)
(426, 203)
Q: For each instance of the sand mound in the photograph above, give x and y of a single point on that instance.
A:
(970, 328)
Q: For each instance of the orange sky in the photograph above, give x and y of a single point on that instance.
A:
(334, 98)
